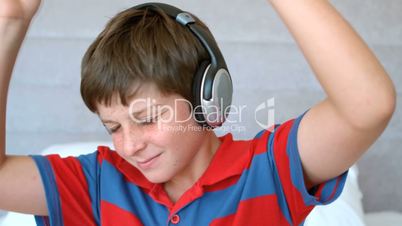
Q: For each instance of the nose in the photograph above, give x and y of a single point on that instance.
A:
(133, 141)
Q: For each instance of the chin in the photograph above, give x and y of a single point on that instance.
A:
(157, 178)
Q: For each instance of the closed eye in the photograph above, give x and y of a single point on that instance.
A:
(151, 120)
(144, 122)
(112, 130)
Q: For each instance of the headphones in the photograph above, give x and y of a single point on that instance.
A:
(212, 85)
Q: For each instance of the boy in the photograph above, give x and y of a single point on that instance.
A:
(158, 176)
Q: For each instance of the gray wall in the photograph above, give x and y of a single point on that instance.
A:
(45, 107)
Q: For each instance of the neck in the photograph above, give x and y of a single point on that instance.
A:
(182, 182)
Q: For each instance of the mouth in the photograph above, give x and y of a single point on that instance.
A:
(149, 162)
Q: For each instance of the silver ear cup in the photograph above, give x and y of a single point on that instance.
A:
(216, 109)
(198, 90)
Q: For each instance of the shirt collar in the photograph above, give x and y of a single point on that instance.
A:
(230, 159)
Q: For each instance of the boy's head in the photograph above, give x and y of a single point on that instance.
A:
(139, 47)
(145, 54)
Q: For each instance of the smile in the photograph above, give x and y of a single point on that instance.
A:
(148, 163)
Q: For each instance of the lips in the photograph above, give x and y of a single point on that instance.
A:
(150, 162)
(149, 159)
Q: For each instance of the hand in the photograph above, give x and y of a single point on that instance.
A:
(18, 9)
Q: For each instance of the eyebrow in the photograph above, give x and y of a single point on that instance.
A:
(134, 113)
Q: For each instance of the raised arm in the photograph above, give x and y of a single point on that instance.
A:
(360, 95)
(20, 185)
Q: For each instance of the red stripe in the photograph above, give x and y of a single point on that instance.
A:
(260, 144)
(131, 174)
(318, 193)
(73, 190)
(114, 216)
(223, 184)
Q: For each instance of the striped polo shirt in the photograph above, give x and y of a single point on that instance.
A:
(248, 182)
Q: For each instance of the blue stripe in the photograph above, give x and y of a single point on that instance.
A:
(222, 203)
(42, 220)
(90, 166)
(339, 188)
(278, 185)
(216, 204)
(297, 171)
(327, 190)
(259, 134)
(116, 190)
(296, 168)
(260, 179)
(51, 191)
(255, 182)
(330, 187)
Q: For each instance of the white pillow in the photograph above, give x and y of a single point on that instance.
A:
(347, 210)
(14, 219)
(75, 149)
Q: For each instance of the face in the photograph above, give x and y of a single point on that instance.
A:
(155, 133)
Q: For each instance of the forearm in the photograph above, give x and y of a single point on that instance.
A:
(350, 74)
(12, 33)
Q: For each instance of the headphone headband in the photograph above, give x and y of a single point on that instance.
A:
(185, 19)
(212, 85)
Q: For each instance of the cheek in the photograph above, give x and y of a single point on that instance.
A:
(183, 145)
(179, 114)
(184, 115)
(117, 142)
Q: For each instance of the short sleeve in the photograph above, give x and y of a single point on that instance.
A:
(70, 188)
(288, 173)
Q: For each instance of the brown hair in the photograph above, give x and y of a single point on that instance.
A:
(136, 47)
